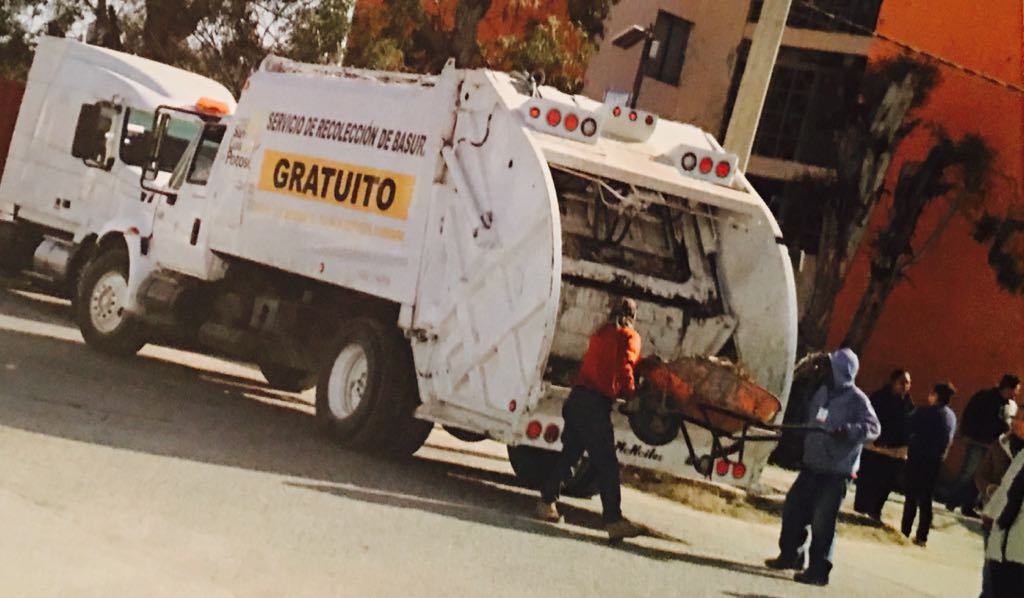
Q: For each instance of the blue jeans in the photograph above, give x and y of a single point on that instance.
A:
(963, 493)
(813, 501)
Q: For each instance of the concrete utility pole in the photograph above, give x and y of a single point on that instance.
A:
(764, 49)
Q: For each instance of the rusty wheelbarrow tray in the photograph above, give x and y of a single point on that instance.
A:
(713, 394)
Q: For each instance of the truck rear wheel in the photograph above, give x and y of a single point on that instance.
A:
(286, 378)
(366, 395)
(532, 466)
(99, 306)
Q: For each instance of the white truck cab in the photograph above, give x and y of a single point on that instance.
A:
(437, 249)
(83, 130)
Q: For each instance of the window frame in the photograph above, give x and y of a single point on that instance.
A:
(656, 67)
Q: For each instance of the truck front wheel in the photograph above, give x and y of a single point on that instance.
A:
(99, 306)
(366, 396)
(532, 466)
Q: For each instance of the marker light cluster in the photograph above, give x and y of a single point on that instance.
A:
(722, 467)
(562, 120)
(706, 164)
(551, 433)
(630, 124)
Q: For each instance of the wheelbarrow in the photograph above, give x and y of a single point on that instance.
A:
(711, 393)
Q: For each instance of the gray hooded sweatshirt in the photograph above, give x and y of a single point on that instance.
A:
(843, 407)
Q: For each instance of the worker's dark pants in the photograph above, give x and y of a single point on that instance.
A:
(875, 480)
(588, 427)
(1007, 578)
(813, 501)
(921, 477)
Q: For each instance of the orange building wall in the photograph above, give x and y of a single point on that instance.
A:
(951, 320)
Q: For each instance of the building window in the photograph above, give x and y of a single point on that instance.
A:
(859, 13)
(807, 89)
(671, 35)
(799, 215)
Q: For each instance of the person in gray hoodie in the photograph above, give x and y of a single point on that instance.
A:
(831, 457)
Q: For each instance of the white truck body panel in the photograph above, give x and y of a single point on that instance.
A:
(42, 179)
(434, 194)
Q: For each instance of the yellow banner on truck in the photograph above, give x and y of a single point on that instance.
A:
(352, 186)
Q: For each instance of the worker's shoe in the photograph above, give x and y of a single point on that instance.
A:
(782, 564)
(811, 578)
(622, 529)
(547, 511)
(920, 542)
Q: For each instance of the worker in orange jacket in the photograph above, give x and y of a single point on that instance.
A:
(605, 375)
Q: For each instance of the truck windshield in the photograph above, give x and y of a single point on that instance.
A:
(137, 139)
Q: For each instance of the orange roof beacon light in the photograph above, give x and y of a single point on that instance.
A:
(212, 107)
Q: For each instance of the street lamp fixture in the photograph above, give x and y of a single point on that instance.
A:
(629, 38)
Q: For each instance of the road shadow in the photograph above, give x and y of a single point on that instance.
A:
(61, 388)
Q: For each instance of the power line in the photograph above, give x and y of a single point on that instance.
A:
(1013, 87)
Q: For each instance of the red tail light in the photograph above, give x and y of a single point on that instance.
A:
(551, 433)
(571, 122)
(533, 430)
(706, 164)
(554, 117)
(738, 470)
(616, 111)
(722, 467)
(512, 405)
(722, 170)
(632, 115)
(534, 112)
(649, 120)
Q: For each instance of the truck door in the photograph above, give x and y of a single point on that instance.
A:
(178, 241)
(490, 280)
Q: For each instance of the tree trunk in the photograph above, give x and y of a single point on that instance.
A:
(865, 152)
(468, 14)
(918, 185)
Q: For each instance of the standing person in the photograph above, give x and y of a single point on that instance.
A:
(931, 431)
(606, 374)
(1004, 549)
(990, 473)
(845, 415)
(883, 459)
(984, 419)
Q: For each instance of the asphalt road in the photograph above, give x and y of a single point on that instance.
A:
(173, 474)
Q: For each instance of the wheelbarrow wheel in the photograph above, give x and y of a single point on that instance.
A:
(704, 465)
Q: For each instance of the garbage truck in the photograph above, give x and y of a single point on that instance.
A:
(436, 249)
(63, 192)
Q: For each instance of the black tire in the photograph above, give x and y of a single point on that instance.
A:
(532, 466)
(383, 421)
(288, 379)
(127, 337)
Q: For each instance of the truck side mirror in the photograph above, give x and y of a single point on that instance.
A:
(90, 142)
(151, 165)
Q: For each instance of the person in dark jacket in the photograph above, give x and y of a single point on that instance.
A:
(989, 475)
(883, 459)
(984, 419)
(1004, 547)
(607, 373)
(830, 458)
(930, 431)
